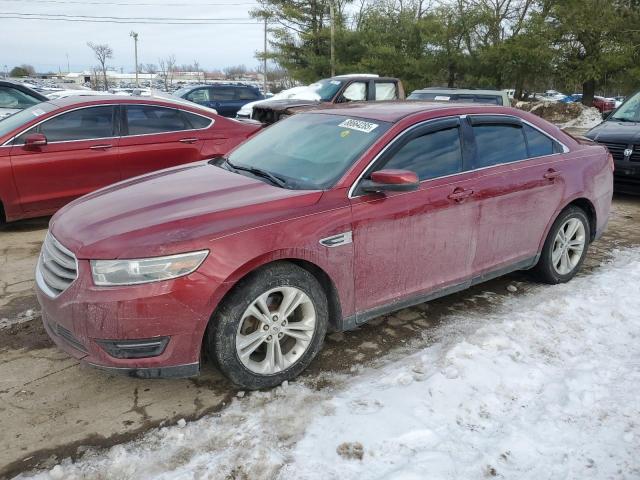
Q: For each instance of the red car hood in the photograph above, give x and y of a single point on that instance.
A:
(171, 211)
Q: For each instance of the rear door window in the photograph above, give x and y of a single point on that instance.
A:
(197, 121)
(148, 119)
(222, 94)
(247, 94)
(540, 144)
(433, 155)
(386, 91)
(499, 143)
(82, 124)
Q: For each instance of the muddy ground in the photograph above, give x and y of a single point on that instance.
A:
(51, 407)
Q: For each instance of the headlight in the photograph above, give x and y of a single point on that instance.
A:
(145, 270)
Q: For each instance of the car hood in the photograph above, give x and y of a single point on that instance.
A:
(171, 211)
(615, 132)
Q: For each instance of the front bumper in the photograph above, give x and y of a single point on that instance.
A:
(627, 177)
(96, 324)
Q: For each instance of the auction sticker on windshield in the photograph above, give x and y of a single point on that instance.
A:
(359, 125)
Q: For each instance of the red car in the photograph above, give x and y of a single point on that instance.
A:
(58, 150)
(320, 222)
(605, 105)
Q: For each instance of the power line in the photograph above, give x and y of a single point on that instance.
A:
(137, 22)
(78, 2)
(109, 17)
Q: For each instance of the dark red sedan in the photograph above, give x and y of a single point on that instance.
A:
(321, 222)
(58, 150)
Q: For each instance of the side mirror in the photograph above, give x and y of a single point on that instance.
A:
(391, 181)
(35, 140)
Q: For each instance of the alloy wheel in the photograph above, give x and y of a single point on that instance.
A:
(275, 330)
(568, 246)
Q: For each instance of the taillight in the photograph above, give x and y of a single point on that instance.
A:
(611, 164)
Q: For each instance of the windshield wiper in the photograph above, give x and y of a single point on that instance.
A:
(280, 182)
(623, 119)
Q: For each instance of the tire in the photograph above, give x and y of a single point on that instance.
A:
(553, 271)
(261, 363)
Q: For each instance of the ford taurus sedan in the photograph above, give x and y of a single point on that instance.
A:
(56, 151)
(321, 222)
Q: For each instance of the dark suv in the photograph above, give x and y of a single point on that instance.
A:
(227, 99)
(620, 133)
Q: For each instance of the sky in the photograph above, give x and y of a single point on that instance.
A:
(46, 43)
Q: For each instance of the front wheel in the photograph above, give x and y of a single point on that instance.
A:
(270, 327)
(565, 247)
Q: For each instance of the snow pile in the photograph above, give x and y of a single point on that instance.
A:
(567, 115)
(22, 317)
(546, 386)
(588, 118)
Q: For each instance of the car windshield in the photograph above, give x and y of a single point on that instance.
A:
(629, 111)
(326, 89)
(309, 151)
(14, 121)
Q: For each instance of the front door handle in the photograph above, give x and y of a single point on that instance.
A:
(188, 140)
(100, 147)
(552, 174)
(460, 195)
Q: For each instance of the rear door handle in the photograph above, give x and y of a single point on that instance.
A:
(188, 140)
(552, 174)
(100, 147)
(459, 195)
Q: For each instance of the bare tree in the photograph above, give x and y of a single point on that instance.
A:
(149, 68)
(235, 72)
(196, 68)
(167, 68)
(103, 52)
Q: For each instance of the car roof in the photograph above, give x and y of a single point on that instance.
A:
(465, 91)
(229, 84)
(81, 100)
(395, 111)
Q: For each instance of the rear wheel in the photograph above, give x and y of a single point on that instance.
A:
(565, 247)
(270, 327)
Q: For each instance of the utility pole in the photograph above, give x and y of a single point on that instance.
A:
(68, 68)
(333, 38)
(135, 46)
(264, 60)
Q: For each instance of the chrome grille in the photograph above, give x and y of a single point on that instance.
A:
(57, 267)
(617, 150)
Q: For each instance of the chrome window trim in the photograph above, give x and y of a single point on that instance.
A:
(9, 144)
(350, 194)
(211, 120)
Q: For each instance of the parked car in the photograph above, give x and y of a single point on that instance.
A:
(620, 133)
(604, 105)
(299, 93)
(15, 96)
(226, 99)
(58, 150)
(339, 89)
(459, 95)
(75, 93)
(322, 221)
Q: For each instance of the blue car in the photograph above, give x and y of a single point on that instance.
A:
(227, 99)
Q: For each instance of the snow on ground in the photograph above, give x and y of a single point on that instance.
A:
(546, 386)
(22, 317)
(588, 118)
